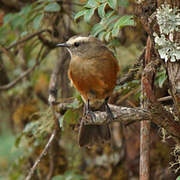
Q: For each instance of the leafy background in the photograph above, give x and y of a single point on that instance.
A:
(25, 117)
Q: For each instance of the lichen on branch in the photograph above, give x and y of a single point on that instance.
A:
(168, 20)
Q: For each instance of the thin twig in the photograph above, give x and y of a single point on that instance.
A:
(27, 38)
(24, 74)
(31, 172)
(5, 51)
(130, 75)
(18, 79)
(51, 163)
(128, 95)
(166, 98)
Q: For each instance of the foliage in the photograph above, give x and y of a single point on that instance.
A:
(161, 77)
(29, 18)
(106, 20)
(110, 20)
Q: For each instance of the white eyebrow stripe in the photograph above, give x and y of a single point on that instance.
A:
(78, 39)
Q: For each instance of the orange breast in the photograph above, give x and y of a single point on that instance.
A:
(94, 78)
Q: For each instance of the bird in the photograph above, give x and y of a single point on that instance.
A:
(93, 71)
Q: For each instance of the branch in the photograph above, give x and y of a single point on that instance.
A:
(51, 139)
(133, 72)
(27, 38)
(24, 74)
(18, 79)
(126, 115)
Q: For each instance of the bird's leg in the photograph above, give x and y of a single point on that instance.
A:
(108, 110)
(89, 112)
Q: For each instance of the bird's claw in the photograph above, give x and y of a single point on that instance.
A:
(91, 115)
(110, 116)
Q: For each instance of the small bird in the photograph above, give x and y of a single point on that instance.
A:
(93, 72)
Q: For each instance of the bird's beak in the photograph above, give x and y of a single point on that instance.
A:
(63, 45)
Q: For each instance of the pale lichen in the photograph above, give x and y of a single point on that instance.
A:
(139, 1)
(168, 20)
(168, 50)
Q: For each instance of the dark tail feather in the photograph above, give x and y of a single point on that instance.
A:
(94, 134)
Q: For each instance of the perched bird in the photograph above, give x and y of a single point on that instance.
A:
(93, 72)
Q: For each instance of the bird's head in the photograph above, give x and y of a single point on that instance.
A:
(83, 46)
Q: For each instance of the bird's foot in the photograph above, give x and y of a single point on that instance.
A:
(110, 116)
(90, 115)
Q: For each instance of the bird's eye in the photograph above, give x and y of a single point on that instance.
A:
(76, 44)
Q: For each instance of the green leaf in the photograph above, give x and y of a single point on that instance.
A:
(123, 3)
(109, 14)
(107, 36)
(101, 10)
(80, 13)
(114, 42)
(53, 7)
(25, 10)
(60, 177)
(7, 18)
(124, 21)
(70, 117)
(109, 21)
(92, 4)
(61, 122)
(17, 21)
(37, 21)
(89, 14)
(115, 32)
(101, 35)
(97, 28)
(113, 4)
(24, 33)
(75, 104)
(178, 178)
(161, 78)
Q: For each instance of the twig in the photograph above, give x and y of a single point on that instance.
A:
(130, 75)
(128, 95)
(18, 79)
(28, 38)
(167, 98)
(51, 164)
(144, 164)
(5, 51)
(24, 74)
(49, 44)
(31, 172)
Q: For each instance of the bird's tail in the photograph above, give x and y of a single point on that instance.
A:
(94, 134)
